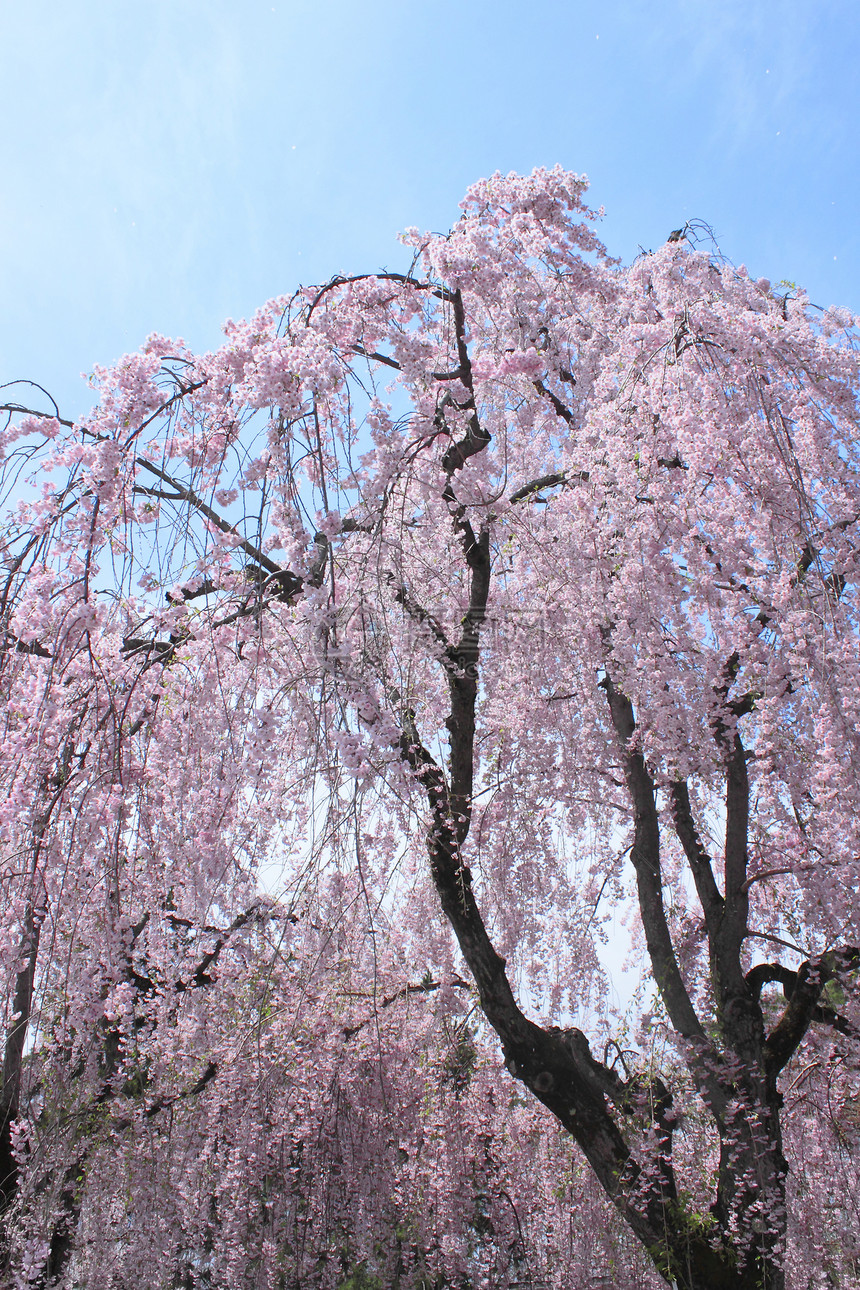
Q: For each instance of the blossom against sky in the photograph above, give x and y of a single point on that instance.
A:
(169, 164)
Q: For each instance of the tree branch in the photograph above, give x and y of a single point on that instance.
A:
(188, 495)
(535, 486)
(561, 409)
(697, 857)
(476, 437)
(766, 973)
(804, 1003)
(422, 987)
(200, 975)
(645, 857)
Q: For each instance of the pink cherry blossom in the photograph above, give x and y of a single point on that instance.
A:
(373, 688)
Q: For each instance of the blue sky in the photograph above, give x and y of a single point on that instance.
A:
(169, 163)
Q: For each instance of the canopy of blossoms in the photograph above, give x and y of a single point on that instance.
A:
(354, 677)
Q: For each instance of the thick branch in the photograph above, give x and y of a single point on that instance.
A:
(767, 973)
(803, 1005)
(11, 642)
(736, 855)
(164, 1103)
(535, 486)
(556, 1066)
(830, 1017)
(420, 615)
(527, 491)
(463, 686)
(561, 409)
(738, 1009)
(645, 856)
(201, 974)
(697, 857)
(476, 437)
(13, 1058)
(539, 1058)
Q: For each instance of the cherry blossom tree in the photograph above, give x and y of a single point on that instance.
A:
(354, 675)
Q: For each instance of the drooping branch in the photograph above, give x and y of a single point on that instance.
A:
(68, 1202)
